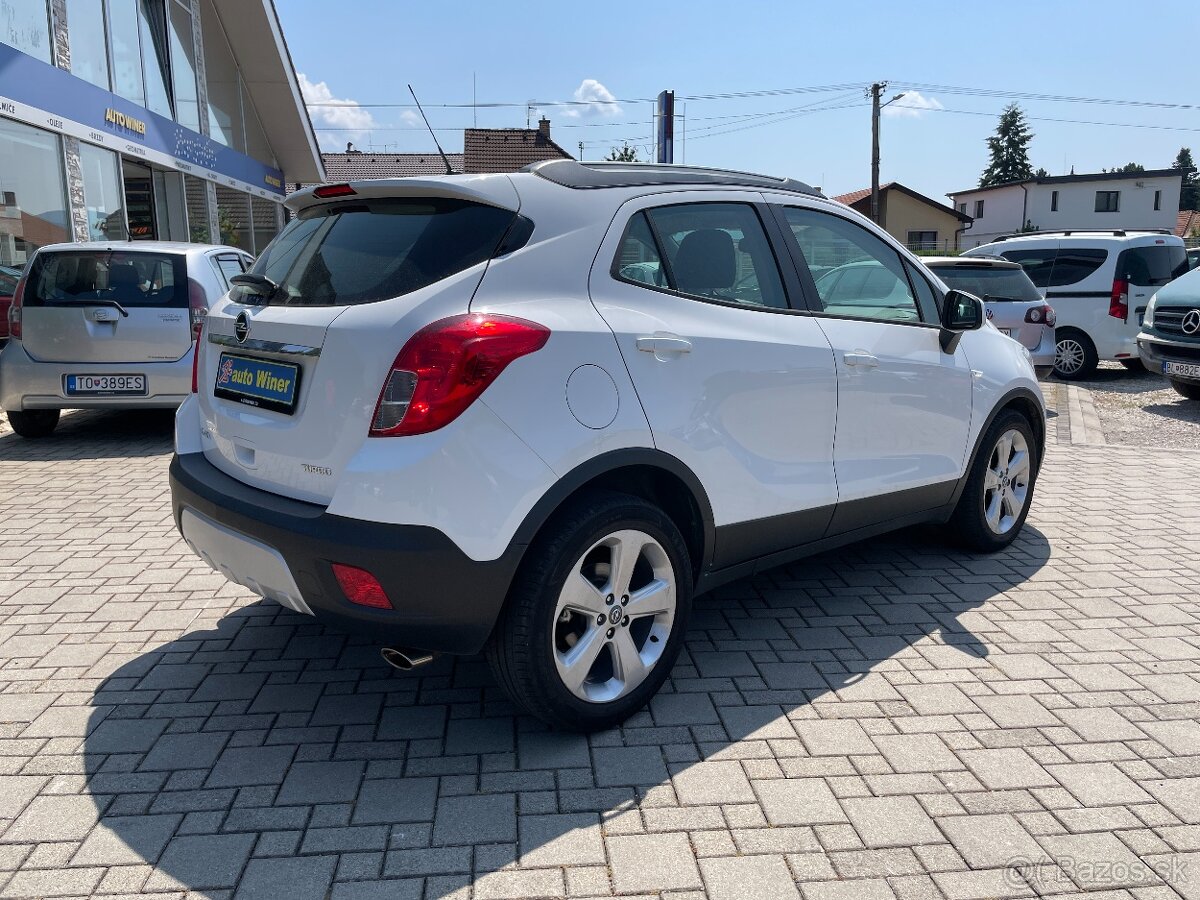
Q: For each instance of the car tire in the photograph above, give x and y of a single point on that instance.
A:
(1074, 355)
(550, 652)
(1186, 389)
(999, 489)
(1133, 365)
(33, 423)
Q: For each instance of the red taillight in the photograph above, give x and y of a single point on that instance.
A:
(14, 311)
(360, 586)
(326, 191)
(1118, 305)
(1041, 315)
(196, 358)
(445, 366)
(198, 304)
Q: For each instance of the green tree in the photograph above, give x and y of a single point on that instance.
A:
(1041, 173)
(1189, 195)
(624, 153)
(1128, 169)
(1009, 149)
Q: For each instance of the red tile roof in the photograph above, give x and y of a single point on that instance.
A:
(1188, 221)
(508, 149)
(855, 196)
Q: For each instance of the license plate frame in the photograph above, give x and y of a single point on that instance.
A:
(1007, 332)
(256, 392)
(82, 384)
(1186, 370)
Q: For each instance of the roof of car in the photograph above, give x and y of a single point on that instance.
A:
(976, 262)
(594, 175)
(140, 247)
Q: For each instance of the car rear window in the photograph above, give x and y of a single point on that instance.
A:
(132, 278)
(989, 282)
(1152, 266)
(365, 251)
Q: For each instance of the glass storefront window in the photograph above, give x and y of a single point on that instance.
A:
(195, 193)
(233, 213)
(266, 225)
(89, 50)
(152, 21)
(33, 193)
(183, 67)
(224, 91)
(25, 24)
(102, 193)
(126, 50)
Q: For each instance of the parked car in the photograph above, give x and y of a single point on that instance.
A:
(1170, 338)
(1013, 303)
(1099, 283)
(9, 276)
(107, 325)
(535, 414)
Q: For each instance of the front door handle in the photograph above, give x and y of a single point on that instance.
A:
(663, 343)
(859, 358)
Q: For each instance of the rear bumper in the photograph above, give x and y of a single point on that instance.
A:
(1043, 353)
(445, 601)
(1155, 352)
(26, 383)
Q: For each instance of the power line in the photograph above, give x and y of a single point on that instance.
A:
(1030, 96)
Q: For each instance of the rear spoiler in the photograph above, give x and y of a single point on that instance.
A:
(491, 190)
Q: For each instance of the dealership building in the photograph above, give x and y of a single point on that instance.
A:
(147, 120)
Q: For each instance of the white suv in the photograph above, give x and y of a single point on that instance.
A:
(537, 413)
(1099, 283)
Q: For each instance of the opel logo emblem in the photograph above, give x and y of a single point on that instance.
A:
(241, 327)
(1191, 322)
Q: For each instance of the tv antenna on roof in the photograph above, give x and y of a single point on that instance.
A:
(445, 159)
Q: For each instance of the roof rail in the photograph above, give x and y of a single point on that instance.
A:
(1067, 232)
(591, 175)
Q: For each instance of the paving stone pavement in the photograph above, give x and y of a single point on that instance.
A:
(894, 720)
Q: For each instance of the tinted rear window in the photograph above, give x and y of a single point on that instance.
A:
(8, 284)
(133, 279)
(1152, 266)
(365, 251)
(988, 282)
(1072, 265)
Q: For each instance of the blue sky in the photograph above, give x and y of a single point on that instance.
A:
(627, 52)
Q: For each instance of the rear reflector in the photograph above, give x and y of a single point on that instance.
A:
(334, 190)
(361, 587)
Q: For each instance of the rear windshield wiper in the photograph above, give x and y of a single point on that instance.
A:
(257, 285)
(53, 301)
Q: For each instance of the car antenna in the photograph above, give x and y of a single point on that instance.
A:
(445, 159)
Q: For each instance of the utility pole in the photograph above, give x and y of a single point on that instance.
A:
(876, 89)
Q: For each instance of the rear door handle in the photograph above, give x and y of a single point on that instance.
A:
(660, 343)
(858, 358)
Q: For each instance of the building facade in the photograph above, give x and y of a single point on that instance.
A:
(1108, 200)
(914, 219)
(146, 119)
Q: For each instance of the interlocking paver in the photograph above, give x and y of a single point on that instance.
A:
(895, 719)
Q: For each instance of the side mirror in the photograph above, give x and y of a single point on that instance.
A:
(960, 312)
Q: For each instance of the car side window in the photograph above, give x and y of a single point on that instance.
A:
(928, 300)
(1038, 264)
(711, 251)
(228, 265)
(857, 275)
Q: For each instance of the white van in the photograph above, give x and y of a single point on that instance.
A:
(1099, 283)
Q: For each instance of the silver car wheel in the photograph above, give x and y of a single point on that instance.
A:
(1006, 482)
(614, 616)
(1069, 356)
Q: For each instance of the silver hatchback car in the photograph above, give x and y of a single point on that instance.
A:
(108, 324)
(1012, 301)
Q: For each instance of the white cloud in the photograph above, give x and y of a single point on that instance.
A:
(912, 105)
(351, 120)
(599, 101)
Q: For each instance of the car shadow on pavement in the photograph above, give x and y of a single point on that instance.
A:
(94, 434)
(273, 755)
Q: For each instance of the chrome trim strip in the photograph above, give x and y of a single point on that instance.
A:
(228, 340)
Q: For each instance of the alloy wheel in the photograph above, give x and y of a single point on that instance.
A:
(1069, 356)
(1006, 482)
(614, 616)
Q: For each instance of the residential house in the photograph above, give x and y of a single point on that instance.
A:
(508, 149)
(914, 219)
(1187, 226)
(1109, 200)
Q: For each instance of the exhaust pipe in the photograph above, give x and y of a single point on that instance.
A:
(405, 659)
